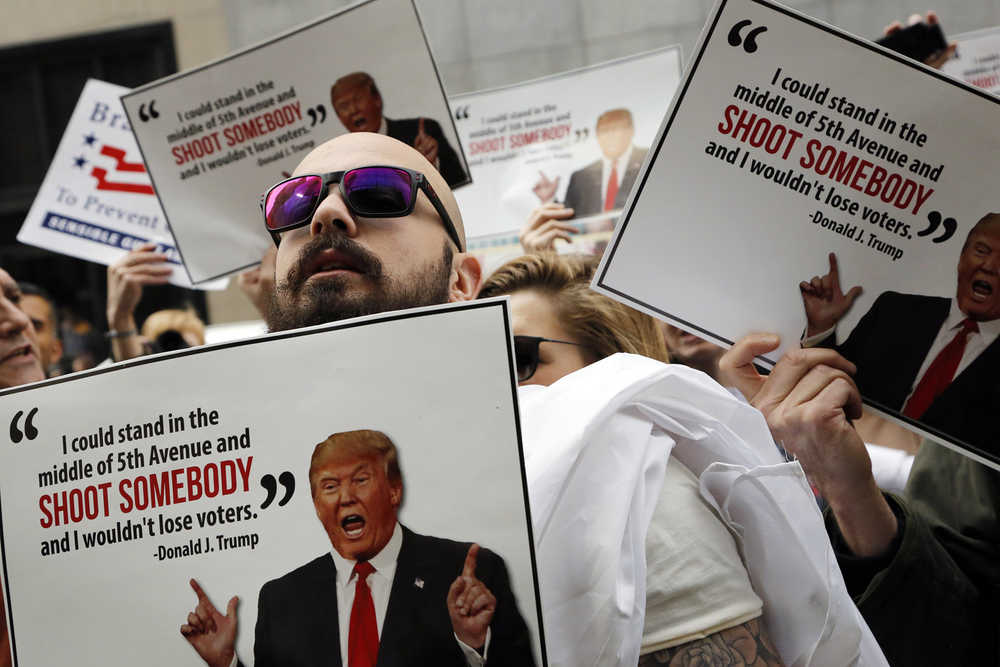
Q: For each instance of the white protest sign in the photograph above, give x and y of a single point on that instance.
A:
(96, 202)
(977, 59)
(771, 160)
(216, 137)
(538, 141)
(122, 484)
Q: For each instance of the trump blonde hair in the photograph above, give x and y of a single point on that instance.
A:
(353, 445)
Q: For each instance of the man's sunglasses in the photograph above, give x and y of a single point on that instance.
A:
(526, 354)
(369, 192)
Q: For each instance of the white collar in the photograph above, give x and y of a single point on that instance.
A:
(621, 162)
(383, 127)
(384, 561)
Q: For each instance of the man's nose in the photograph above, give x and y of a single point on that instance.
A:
(13, 320)
(991, 263)
(331, 214)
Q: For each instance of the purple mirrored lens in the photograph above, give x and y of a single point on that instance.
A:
(291, 201)
(378, 191)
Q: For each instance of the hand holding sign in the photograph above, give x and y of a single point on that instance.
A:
(546, 225)
(426, 144)
(470, 604)
(824, 301)
(211, 634)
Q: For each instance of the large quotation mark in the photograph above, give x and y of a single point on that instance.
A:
(270, 485)
(462, 113)
(750, 41)
(934, 218)
(320, 110)
(29, 432)
(153, 113)
(582, 134)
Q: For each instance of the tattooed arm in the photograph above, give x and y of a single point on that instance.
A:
(746, 645)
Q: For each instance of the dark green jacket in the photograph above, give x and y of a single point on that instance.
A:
(935, 599)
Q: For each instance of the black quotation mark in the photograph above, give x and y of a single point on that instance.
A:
(462, 113)
(29, 432)
(153, 113)
(582, 134)
(287, 480)
(934, 218)
(750, 41)
(320, 110)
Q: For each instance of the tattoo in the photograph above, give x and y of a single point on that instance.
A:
(745, 645)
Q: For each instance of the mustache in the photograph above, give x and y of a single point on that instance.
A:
(366, 262)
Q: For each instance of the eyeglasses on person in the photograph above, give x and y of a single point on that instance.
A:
(376, 191)
(526, 354)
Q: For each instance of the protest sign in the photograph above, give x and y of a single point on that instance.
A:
(96, 202)
(774, 170)
(122, 484)
(539, 141)
(977, 59)
(216, 137)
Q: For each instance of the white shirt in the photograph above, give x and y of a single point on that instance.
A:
(621, 164)
(380, 584)
(975, 343)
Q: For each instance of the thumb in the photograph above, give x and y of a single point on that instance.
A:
(853, 293)
(736, 367)
(420, 126)
(231, 607)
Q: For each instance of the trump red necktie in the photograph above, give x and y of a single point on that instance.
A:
(940, 373)
(362, 640)
(612, 192)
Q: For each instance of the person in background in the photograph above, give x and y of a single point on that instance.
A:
(20, 363)
(39, 305)
(698, 593)
(173, 329)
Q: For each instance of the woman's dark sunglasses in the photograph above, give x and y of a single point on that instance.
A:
(369, 192)
(526, 354)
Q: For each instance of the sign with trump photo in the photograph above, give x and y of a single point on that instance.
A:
(216, 137)
(316, 497)
(559, 140)
(977, 59)
(852, 207)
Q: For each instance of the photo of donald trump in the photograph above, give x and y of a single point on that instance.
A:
(383, 595)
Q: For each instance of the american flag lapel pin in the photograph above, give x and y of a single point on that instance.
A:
(418, 582)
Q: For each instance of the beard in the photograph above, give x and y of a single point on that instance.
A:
(296, 303)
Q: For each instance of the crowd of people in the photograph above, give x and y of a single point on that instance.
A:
(916, 548)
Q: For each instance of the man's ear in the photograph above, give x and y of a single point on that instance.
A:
(56, 352)
(396, 494)
(466, 277)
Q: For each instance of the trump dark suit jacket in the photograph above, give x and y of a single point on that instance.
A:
(450, 166)
(584, 194)
(890, 344)
(297, 622)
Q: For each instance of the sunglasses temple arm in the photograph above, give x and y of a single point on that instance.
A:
(442, 212)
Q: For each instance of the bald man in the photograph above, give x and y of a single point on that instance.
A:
(339, 264)
(358, 104)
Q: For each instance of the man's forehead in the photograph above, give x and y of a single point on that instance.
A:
(360, 149)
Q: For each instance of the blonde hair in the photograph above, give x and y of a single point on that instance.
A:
(602, 325)
(359, 444)
(173, 319)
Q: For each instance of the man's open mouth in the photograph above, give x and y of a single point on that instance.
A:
(22, 351)
(360, 121)
(333, 260)
(353, 525)
(982, 288)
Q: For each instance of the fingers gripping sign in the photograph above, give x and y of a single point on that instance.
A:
(470, 604)
(210, 633)
(426, 144)
(546, 224)
(825, 303)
